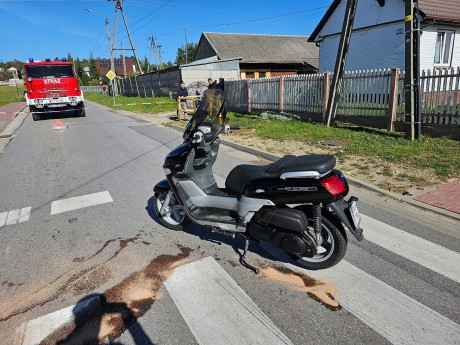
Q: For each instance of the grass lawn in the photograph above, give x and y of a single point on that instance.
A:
(163, 103)
(440, 154)
(11, 94)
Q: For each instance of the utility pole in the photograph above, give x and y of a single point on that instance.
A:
(418, 92)
(156, 53)
(118, 6)
(186, 44)
(110, 46)
(341, 60)
(150, 55)
(124, 60)
(409, 83)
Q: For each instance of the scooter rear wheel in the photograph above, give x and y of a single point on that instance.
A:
(174, 217)
(331, 251)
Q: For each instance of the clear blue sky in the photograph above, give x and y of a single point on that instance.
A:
(50, 28)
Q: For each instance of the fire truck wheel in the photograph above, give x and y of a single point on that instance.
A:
(36, 116)
(80, 113)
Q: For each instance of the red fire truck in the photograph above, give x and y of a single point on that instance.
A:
(52, 87)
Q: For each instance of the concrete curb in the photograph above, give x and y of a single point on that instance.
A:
(7, 133)
(35, 331)
(352, 180)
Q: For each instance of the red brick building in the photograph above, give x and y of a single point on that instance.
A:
(103, 66)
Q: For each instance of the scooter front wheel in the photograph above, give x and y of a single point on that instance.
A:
(174, 216)
(330, 252)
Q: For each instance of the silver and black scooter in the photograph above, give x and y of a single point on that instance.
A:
(296, 203)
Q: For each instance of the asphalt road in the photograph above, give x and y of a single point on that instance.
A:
(77, 218)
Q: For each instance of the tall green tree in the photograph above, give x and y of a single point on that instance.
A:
(93, 71)
(191, 51)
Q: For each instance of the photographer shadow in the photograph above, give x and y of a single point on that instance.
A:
(88, 323)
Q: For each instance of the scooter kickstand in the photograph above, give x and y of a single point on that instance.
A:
(243, 258)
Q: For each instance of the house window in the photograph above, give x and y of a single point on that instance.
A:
(444, 47)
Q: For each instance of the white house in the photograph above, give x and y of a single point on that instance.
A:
(13, 71)
(378, 36)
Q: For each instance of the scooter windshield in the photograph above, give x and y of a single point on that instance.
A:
(211, 112)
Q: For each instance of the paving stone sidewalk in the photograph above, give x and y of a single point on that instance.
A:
(8, 112)
(446, 196)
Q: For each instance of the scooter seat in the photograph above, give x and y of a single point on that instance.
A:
(244, 174)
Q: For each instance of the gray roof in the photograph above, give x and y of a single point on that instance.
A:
(264, 48)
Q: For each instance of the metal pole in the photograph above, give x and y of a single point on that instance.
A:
(418, 92)
(112, 59)
(124, 59)
(409, 66)
(186, 44)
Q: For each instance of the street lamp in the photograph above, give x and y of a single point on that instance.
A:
(112, 66)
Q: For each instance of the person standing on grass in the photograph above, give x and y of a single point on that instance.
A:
(181, 94)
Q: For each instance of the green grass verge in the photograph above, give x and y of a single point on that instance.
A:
(165, 103)
(11, 94)
(440, 154)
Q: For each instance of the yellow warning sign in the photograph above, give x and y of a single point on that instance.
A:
(110, 75)
(408, 18)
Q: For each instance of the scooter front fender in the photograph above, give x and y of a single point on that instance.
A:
(162, 187)
(338, 209)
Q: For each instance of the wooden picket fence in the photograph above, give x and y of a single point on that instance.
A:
(364, 94)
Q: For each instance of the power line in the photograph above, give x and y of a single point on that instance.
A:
(245, 21)
(260, 19)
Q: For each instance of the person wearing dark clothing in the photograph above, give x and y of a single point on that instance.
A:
(220, 85)
(181, 93)
(211, 84)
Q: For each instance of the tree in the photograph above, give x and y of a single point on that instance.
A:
(5, 75)
(93, 71)
(167, 65)
(191, 51)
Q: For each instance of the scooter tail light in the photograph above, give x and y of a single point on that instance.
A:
(334, 185)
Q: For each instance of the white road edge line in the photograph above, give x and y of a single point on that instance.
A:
(396, 316)
(75, 203)
(425, 253)
(216, 310)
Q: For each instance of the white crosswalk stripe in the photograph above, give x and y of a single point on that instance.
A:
(75, 203)
(218, 311)
(15, 216)
(416, 249)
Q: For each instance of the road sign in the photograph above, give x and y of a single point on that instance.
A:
(110, 75)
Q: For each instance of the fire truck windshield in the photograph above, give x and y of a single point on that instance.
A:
(50, 71)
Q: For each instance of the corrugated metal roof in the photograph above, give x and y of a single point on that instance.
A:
(264, 48)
